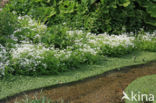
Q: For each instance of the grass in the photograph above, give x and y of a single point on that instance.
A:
(36, 100)
(16, 84)
(144, 85)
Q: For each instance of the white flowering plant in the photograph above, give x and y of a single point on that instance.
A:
(32, 59)
(39, 50)
(113, 45)
(26, 58)
(104, 44)
(30, 30)
(146, 41)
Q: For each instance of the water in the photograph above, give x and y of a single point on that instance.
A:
(104, 89)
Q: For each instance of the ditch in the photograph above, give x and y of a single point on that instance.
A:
(106, 88)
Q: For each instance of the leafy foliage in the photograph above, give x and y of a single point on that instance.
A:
(8, 24)
(112, 16)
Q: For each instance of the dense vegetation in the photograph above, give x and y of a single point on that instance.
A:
(48, 37)
(98, 16)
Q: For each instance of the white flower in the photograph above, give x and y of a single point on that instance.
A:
(29, 55)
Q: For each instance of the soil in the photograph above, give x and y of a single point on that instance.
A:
(103, 89)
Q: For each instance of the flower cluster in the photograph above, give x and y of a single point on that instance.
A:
(146, 41)
(112, 44)
(103, 43)
(148, 36)
(30, 30)
(28, 56)
(32, 55)
(28, 23)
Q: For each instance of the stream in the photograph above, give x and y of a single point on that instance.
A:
(102, 89)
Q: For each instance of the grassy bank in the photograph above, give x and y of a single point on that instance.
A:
(17, 84)
(144, 85)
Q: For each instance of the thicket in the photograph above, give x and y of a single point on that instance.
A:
(98, 16)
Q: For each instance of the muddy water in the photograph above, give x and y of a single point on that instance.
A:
(103, 89)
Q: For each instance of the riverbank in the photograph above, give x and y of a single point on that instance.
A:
(104, 89)
(18, 84)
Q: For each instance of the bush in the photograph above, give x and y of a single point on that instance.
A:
(8, 24)
(118, 16)
(111, 16)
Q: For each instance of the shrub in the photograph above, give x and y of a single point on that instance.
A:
(8, 24)
(113, 17)
(118, 16)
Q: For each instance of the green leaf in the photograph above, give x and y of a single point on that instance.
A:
(67, 6)
(151, 22)
(124, 3)
(151, 9)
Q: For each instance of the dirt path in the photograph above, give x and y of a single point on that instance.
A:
(104, 89)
